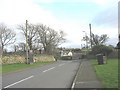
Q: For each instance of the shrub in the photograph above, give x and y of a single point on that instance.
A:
(102, 49)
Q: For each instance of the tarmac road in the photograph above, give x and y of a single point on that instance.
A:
(57, 75)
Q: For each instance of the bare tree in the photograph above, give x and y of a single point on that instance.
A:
(22, 47)
(37, 46)
(49, 38)
(99, 40)
(7, 36)
(16, 48)
(96, 39)
(32, 34)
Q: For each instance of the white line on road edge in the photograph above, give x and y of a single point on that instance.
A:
(18, 81)
(73, 85)
(61, 64)
(48, 69)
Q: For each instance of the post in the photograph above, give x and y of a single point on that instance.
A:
(118, 45)
(27, 58)
(90, 36)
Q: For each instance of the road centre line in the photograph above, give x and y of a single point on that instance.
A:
(48, 69)
(19, 81)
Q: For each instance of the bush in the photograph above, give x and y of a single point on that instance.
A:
(102, 49)
(114, 54)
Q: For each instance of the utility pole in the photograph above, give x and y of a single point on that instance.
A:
(118, 44)
(90, 36)
(27, 58)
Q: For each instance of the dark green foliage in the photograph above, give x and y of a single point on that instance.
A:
(102, 49)
(114, 54)
(76, 50)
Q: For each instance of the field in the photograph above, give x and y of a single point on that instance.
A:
(0, 68)
(107, 73)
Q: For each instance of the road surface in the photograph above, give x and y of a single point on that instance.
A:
(57, 75)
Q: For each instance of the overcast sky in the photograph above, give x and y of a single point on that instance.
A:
(71, 16)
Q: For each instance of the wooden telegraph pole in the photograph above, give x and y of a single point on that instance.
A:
(27, 58)
(90, 36)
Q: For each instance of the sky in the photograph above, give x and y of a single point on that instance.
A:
(71, 16)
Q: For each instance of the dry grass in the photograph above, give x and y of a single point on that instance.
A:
(44, 58)
(11, 59)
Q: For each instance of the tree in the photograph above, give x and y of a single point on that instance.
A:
(15, 47)
(7, 36)
(99, 40)
(49, 38)
(22, 47)
(32, 33)
(96, 39)
(102, 49)
(86, 38)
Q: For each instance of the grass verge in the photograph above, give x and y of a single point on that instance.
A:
(107, 73)
(15, 67)
(0, 68)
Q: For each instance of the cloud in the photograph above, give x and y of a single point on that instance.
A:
(108, 17)
(113, 41)
(99, 2)
(14, 12)
(105, 3)
(106, 22)
(17, 11)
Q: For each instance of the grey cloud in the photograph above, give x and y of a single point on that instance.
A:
(113, 41)
(107, 18)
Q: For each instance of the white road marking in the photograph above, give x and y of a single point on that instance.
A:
(74, 82)
(81, 82)
(48, 69)
(19, 81)
(73, 85)
(61, 64)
